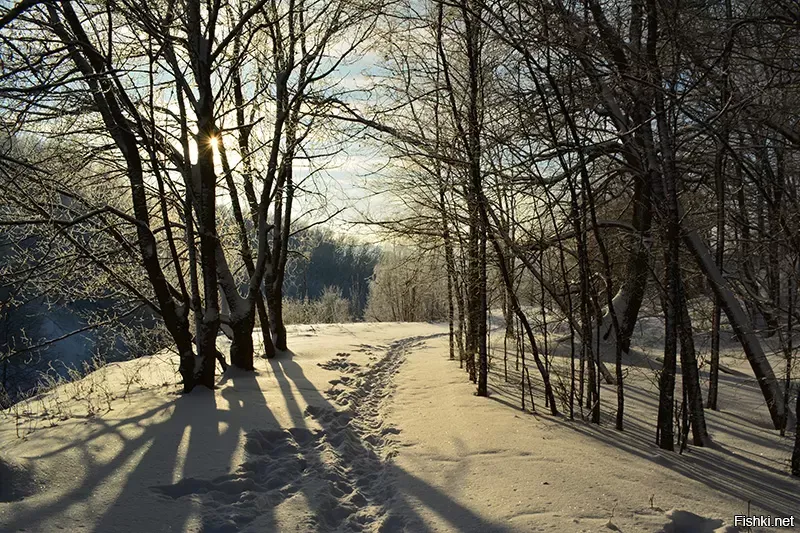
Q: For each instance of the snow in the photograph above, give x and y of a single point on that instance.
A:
(368, 427)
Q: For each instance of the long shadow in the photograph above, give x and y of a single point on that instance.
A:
(751, 482)
(343, 471)
(194, 437)
(197, 417)
(336, 489)
(361, 470)
(214, 436)
(378, 477)
(755, 429)
(282, 463)
(95, 473)
(734, 472)
(235, 500)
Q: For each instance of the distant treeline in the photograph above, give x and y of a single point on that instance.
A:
(323, 261)
(46, 328)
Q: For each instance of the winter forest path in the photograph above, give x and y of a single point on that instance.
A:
(369, 428)
(299, 445)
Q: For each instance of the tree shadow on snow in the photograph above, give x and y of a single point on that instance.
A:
(181, 435)
(733, 470)
(360, 444)
(716, 467)
(330, 471)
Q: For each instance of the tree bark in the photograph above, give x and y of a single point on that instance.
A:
(796, 452)
(691, 375)
(762, 369)
(628, 300)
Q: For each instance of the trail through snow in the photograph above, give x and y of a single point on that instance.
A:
(370, 428)
(341, 468)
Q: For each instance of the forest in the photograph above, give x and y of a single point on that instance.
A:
(549, 179)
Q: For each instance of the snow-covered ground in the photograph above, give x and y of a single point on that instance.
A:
(369, 427)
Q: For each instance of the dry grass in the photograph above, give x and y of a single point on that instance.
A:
(88, 390)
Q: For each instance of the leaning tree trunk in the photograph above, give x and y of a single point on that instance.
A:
(770, 388)
(509, 284)
(762, 369)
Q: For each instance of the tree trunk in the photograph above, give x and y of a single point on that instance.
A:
(483, 351)
(459, 294)
(449, 265)
(713, 373)
(473, 295)
(691, 375)
(670, 223)
(508, 282)
(242, 342)
(796, 452)
(450, 316)
(788, 345)
(628, 299)
(770, 388)
(91, 65)
(263, 322)
(244, 358)
(666, 382)
(275, 304)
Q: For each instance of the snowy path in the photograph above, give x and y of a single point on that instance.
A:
(370, 428)
(341, 468)
(299, 445)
